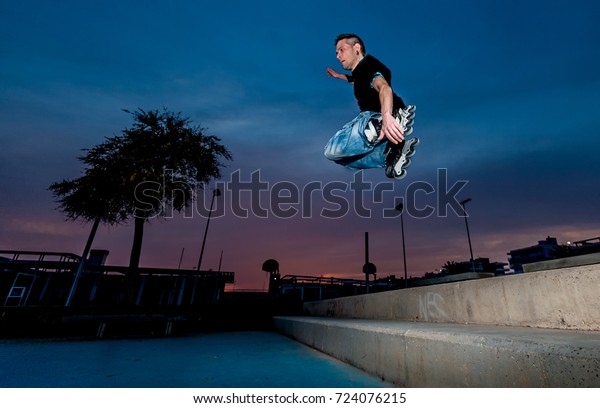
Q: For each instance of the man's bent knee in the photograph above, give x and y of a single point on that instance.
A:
(331, 154)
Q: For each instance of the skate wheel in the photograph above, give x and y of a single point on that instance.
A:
(401, 175)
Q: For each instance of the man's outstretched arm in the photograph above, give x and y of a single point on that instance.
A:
(334, 74)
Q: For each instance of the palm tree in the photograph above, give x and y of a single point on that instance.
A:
(161, 153)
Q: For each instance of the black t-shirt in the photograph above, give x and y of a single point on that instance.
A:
(362, 76)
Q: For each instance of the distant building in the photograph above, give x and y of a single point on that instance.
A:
(586, 246)
(543, 251)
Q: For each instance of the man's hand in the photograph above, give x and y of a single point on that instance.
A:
(391, 129)
(333, 73)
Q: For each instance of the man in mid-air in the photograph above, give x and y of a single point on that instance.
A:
(376, 138)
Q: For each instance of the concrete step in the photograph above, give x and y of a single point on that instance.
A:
(559, 299)
(414, 354)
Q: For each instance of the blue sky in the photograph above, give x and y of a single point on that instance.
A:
(506, 94)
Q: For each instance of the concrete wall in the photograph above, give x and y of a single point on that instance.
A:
(566, 298)
(494, 332)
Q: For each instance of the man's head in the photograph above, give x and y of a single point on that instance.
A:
(349, 49)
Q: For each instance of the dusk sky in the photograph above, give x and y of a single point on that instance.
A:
(507, 95)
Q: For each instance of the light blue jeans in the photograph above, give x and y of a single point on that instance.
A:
(350, 147)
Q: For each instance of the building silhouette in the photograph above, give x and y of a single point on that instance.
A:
(543, 251)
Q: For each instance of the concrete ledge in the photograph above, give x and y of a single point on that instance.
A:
(448, 355)
(563, 299)
(581, 260)
(455, 278)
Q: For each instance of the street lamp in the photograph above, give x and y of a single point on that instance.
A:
(462, 203)
(400, 207)
(216, 193)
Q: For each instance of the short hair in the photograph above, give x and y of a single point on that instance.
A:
(353, 39)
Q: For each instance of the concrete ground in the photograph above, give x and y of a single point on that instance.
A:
(212, 360)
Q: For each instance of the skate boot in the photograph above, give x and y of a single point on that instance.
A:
(373, 129)
(405, 117)
(398, 158)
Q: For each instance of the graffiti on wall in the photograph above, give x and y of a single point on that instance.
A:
(431, 306)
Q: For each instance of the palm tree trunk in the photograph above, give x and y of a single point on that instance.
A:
(134, 259)
(136, 248)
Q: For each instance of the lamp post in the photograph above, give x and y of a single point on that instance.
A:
(400, 207)
(216, 193)
(368, 268)
(462, 203)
